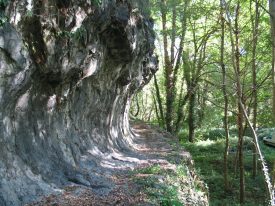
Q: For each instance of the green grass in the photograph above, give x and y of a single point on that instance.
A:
(153, 169)
(208, 157)
(160, 190)
(163, 186)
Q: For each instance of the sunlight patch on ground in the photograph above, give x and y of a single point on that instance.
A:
(205, 143)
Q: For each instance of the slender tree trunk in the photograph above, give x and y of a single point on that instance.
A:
(190, 77)
(272, 22)
(240, 100)
(159, 101)
(172, 62)
(182, 103)
(168, 69)
(179, 108)
(202, 97)
(233, 57)
(224, 90)
(180, 113)
(268, 183)
(191, 116)
(183, 98)
(173, 33)
(254, 82)
(178, 58)
(156, 110)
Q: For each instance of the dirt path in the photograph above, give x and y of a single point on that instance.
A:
(157, 174)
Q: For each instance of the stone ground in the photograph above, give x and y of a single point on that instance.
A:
(152, 147)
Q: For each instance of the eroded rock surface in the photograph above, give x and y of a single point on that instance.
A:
(68, 70)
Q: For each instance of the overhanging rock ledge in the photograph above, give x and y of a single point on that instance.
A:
(68, 70)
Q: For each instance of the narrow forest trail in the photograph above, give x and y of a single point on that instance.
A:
(142, 178)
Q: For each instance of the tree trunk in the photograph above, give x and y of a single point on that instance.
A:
(240, 100)
(224, 90)
(168, 69)
(191, 117)
(268, 183)
(156, 111)
(254, 81)
(272, 22)
(202, 98)
(159, 102)
(183, 99)
(180, 114)
(172, 62)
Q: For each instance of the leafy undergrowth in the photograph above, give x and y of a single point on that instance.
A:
(208, 157)
(169, 186)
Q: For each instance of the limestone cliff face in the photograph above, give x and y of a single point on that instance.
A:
(68, 69)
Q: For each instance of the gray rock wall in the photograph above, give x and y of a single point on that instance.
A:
(68, 70)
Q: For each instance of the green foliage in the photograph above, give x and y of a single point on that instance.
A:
(96, 2)
(163, 186)
(214, 134)
(208, 157)
(205, 22)
(159, 192)
(154, 169)
(204, 26)
(146, 182)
